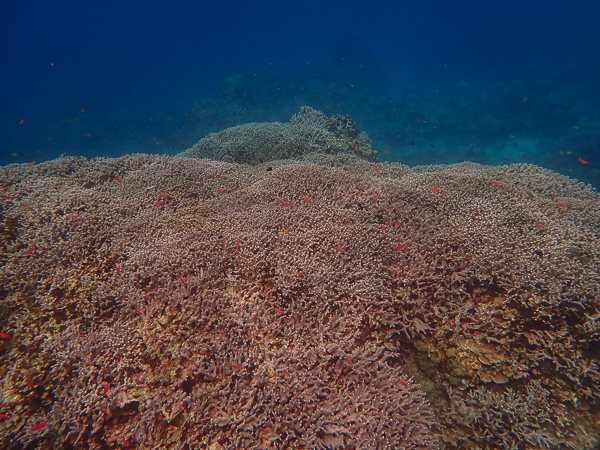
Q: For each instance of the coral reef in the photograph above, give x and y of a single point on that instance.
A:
(319, 303)
(307, 132)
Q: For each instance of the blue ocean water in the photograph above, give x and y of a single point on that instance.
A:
(429, 81)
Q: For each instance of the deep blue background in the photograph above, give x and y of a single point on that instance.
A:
(429, 81)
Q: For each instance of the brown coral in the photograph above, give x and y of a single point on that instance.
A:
(181, 302)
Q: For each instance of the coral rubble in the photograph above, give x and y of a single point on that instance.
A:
(325, 303)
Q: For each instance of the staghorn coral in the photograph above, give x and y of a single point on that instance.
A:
(307, 132)
(188, 303)
(506, 418)
(511, 419)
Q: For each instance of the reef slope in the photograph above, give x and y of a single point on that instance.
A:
(155, 302)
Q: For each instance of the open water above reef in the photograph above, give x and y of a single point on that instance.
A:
(430, 82)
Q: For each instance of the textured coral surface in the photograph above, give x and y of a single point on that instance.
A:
(156, 302)
(307, 132)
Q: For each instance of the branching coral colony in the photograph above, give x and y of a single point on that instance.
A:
(307, 132)
(155, 302)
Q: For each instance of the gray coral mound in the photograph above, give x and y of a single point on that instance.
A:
(307, 132)
(184, 303)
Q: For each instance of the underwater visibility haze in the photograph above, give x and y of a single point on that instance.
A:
(318, 225)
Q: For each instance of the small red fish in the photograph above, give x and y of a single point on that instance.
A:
(299, 273)
(183, 281)
(285, 204)
(40, 425)
(376, 169)
(561, 204)
(340, 249)
(222, 332)
(401, 246)
(116, 179)
(434, 189)
(106, 388)
(237, 366)
(4, 416)
(495, 183)
(403, 383)
(237, 245)
(376, 197)
(4, 335)
(582, 161)
(278, 310)
(306, 200)
(29, 252)
(157, 203)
